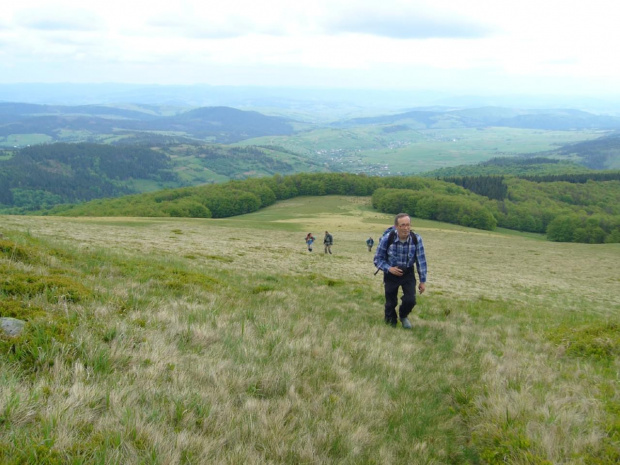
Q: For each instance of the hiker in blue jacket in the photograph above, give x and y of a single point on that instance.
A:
(369, 243)
(398, 251)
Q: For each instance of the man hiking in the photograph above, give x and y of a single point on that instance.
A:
(397, 253)
(369, 243)
(328, 240)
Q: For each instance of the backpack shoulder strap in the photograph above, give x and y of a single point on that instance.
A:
(392, 238)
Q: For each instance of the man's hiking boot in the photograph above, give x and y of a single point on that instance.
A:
(406, 323)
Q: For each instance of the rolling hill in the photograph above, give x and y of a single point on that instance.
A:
(44, 175)
(548, 119)
(57, 123)
(182, 147)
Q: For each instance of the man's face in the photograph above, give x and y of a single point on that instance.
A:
(403, 227)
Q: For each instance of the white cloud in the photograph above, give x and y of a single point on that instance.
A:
(480, 44)
(403, 21)
(60, 18)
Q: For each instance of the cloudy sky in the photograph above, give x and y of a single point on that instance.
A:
(492, 46)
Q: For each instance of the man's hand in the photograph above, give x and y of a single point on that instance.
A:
(422, 287)
(395, 271)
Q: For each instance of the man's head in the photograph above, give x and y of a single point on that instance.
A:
(402, 223)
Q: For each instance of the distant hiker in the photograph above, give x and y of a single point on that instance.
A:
(398, 250)
(309, 241)
(328, 240)
(370, 242)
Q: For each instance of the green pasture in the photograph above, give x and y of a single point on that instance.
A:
(450, 147)
(371, 149)
(75, 136)
(23, 140)
(199, 341)
(71, 135)
(192, 170)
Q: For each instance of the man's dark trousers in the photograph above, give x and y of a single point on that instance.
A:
(392, 283)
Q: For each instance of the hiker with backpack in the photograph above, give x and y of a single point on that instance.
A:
(309, 240)
(369, 243)
(328, 241)
(399, 250)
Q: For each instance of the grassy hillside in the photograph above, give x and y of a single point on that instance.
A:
(199, 163)
(224, 341)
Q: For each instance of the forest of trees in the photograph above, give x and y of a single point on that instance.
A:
(576, 177)
(42, 175)
(572, 212)
(595, 153)
(515, 166)
(572, 206)
(492, 187)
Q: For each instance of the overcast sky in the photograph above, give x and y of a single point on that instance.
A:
(483, 46)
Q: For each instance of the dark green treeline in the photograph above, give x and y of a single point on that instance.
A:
(566, 211)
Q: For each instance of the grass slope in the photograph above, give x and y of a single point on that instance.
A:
(225, 341)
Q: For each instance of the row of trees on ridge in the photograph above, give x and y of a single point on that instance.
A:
(580, 212)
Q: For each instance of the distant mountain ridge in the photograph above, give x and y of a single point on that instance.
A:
(216, 124)
(333, 103)
(34, 110)
(222, 124)
(547, 119)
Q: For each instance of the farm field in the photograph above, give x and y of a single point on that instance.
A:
(372, 150)
(171, 341)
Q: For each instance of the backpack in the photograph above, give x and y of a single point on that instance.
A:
(393, 234)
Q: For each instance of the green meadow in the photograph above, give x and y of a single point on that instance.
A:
(200, 341)
(22, 140)
(378, 150)
(450, 147)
